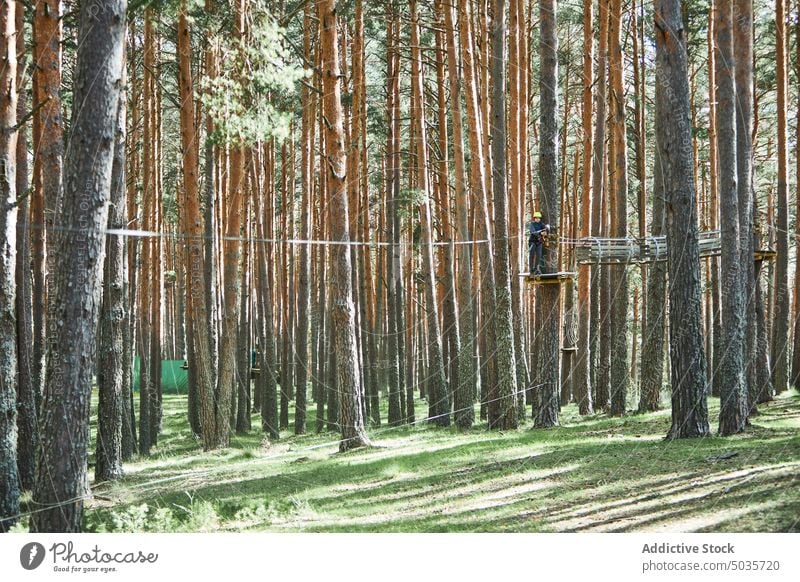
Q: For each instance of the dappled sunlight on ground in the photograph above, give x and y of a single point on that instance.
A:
(600, 474)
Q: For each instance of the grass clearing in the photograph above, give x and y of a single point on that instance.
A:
(596, 474)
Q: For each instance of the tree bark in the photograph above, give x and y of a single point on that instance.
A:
(796, 314)
(342, 308)
(756, 362)
(688, 364)
(504, 330)
(113, 316)
(716, 299)
(27, 395)
(583, 374)
(548, 296)
(231, 289)
(61, 473)
(438, 391)
(464, 414)
(266, 383)
(304, 259)
(195, 252)
(47, 39)
(619, 220)
(780, 325)
(598, 192)
(654, 319)
(733, 387)
(9, 476)
(447, 289)
(394, 291)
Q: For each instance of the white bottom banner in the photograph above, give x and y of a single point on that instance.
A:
(396, 557)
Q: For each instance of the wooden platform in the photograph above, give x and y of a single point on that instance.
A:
(765, 255)
(651, 249)
(549, 278)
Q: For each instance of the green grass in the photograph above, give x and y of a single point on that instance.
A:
(591, 474)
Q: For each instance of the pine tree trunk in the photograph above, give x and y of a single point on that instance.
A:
(654, 320)
(479, 163)
(147, 291)
(756, 362)
(394, 292)
(796, 314)
(619, 216)
(113, 317)
(780, 326)
(243, 401)
(464, 414)
(504, 331)
(449, 324)
(304, 259)
(202, 369)
(583, 374)
(27, 396)
(61, 482)
(716, 300)
(732, 271)
(266, 383)
(548, 296)
(9, 476)
(688, 365)
(342, 308)
(47, 39)
(517, 38)
(438, 396)
(598, 193)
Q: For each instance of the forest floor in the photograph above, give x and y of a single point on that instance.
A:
(594, 473)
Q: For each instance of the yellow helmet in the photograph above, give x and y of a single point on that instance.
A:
(537, 214)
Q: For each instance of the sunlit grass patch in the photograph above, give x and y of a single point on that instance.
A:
(591, 474)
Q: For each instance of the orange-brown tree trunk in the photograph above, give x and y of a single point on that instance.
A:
(342, 308)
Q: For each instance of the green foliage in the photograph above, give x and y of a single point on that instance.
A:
(258, 72)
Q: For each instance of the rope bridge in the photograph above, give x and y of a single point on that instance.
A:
(651, 249)
(632, 251)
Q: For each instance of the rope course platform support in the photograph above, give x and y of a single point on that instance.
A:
(559, 278)
(651, 249)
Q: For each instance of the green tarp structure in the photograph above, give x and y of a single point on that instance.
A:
(174, 379)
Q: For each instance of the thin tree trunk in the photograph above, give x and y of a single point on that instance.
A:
(113, 317)
(304, 260)
(394, 265)
(451, 333)
(780, 323)
(620, 372)
(438, 394)
(464, 414)
(28, 434)
(731, 365)
(598, 193)
(504, 332)
(796, 344)
(655, 320)
(583, 373)
(47, 39)
(195, 251)
(9, 476)
(717, 346)
(756, 363)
